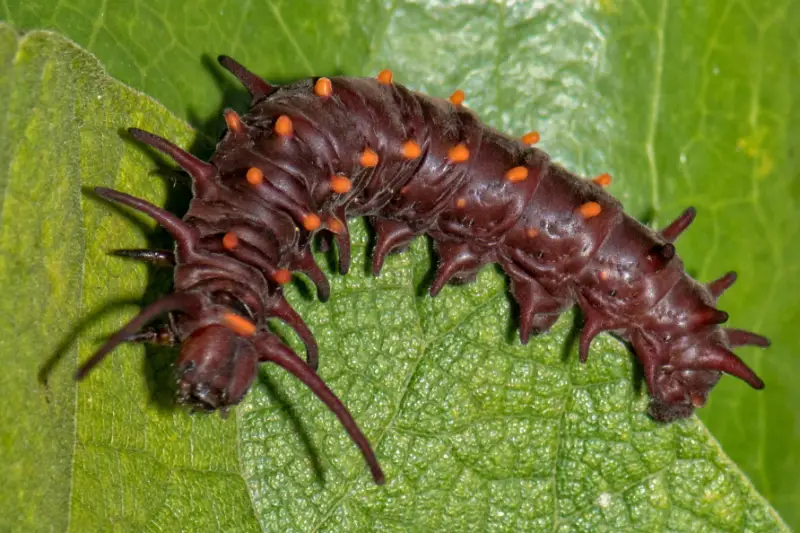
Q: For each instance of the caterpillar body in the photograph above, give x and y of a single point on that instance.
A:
(309, 155)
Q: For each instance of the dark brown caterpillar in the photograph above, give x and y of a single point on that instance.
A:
(311, 154)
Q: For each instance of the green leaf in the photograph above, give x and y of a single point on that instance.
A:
(474, 431)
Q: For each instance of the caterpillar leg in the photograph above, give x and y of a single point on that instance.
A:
(272, 350)
(159, 258)
(679, 225)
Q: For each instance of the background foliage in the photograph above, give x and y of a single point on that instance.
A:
(685, 103)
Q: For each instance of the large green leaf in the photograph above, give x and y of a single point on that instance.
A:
(475, 431)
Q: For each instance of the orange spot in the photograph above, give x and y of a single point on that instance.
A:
(311, 222)
(457, 97)
(282, 276)
(404, 189)
(461, 202)
(385, 76)
(531, 232)
(340, 184)
(517, 174)
(369, 158)
(603, 275)
(323, 87)
(335, 226)
(230, 241)
(532, 137)
(283, 126)
(458, 153)
(603, 180)
(254, 176)
(411, 150)
(589, 209)
(233, 121)
(239, 324)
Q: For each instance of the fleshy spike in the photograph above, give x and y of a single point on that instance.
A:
(183, 302)
(679, 225)
(707, 316)
(257, 87)
(184, 235)
(280, 309)
(276, 352)
(719, 286)
(722, 360)
(740, 337)
(590, 330)
(454, 259)
(201, 171)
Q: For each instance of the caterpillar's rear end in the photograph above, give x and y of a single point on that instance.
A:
(309, 155)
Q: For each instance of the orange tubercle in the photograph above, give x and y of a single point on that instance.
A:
(335, 226)
(590, 209)
(411, 150)
(458, 153)
(323, 87)
(340, 184)
(230, 241)
(282, 276)
(233, 121)
(311, 222)
(531, 232)
(532, 137)
(369, 158)
(254, 176)
(603, 275)
(603, 180)
(385, 76)
(457, 97)
(517, 174)
(461, 202)
(283, 126)
(239, 324)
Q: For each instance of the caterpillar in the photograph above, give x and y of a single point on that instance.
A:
(311, 154)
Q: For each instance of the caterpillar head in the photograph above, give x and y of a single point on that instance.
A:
(694, 366)
(215, 369)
